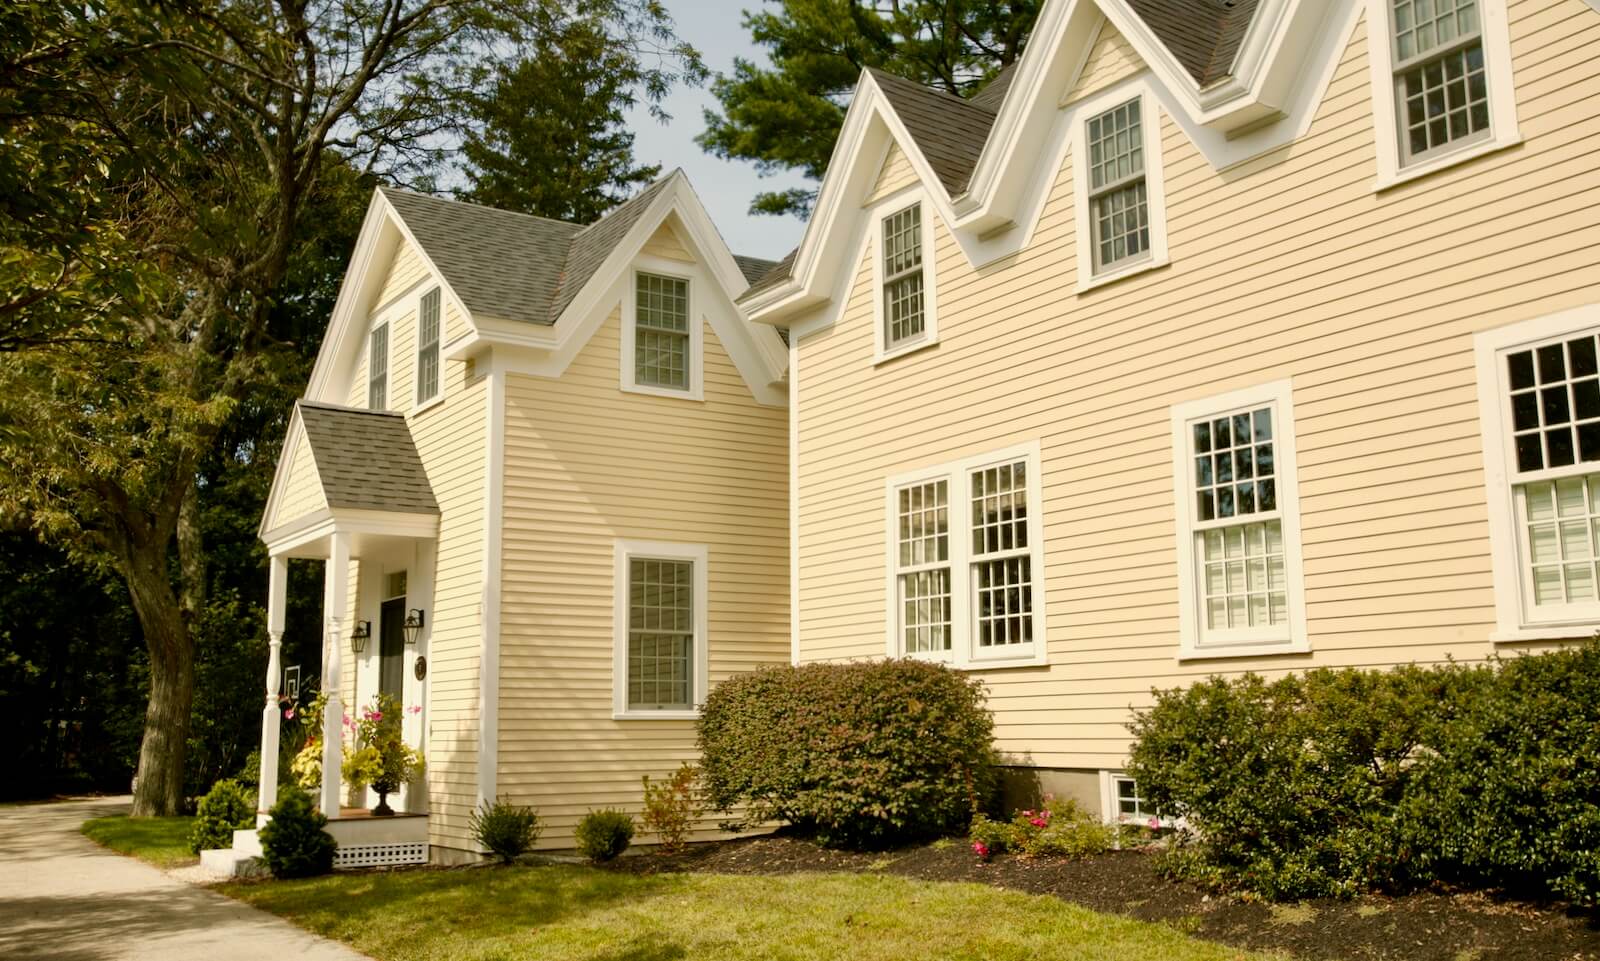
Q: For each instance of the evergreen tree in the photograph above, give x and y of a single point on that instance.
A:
(787, 117)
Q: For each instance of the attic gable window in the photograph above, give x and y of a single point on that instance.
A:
(1120, 211)
(1441, 79)
(661, 335)
(428, 337)
(902, 277)
(378, 368)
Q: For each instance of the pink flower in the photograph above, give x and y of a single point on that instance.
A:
(980, 849)
(289, 714)
(414, 709)
(1039, 822)
(1155, 824)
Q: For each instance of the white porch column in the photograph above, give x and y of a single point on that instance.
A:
(277, 597)
(335, 597)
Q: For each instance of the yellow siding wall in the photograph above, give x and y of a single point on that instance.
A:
(665, 243)
(302, 491)
(397, 305)
(897, 172)
(1287, 267)
(1111, 60)
(587, 463)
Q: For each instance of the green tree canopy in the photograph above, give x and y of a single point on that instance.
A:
(787, 117)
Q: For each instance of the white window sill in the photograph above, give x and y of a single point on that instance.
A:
(655, 715)
(1435, 164)
(902, 350)
(1120, 273)
(428, 404)
(671, 392)
(1553, 632)
(1222, 651)
(1032, 659)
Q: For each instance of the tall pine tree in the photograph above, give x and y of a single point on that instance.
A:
(787, 117)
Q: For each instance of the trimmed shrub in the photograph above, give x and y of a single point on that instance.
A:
(504, 829)
(862, 755)
(294, 843)
(603, 835)
(226, 808)
(1509, 795)
(671, 808)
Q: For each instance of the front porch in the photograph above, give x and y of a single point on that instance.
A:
(365, 841)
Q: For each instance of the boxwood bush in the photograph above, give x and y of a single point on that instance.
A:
(1340, 781)
(294, 843)
(862, 755)
(226, 808)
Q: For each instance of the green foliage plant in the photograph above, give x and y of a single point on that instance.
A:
(380, 757)
(603, 835)
(863, 755)
(1057, 828)
(294, 842)
(228, 807)
(672, 807)
(505, 830)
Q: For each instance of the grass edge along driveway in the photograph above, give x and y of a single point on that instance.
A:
(568, 913)
(162, 842)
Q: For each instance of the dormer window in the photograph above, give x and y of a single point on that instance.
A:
(1120, 207)
(903, 309)
(1441, 80)
(661, 343)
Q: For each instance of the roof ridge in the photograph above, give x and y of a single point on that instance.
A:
(485, 207)
(954, 99)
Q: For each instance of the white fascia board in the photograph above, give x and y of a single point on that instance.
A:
(293, 438)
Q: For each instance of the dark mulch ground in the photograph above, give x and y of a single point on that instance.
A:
(1429, 926)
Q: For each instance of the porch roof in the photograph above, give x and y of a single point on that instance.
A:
(366, 460)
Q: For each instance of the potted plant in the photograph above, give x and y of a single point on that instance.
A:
(380, 756)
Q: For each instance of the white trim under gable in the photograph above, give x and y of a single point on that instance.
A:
(1503, 130)
(695, 278)
(624, 550)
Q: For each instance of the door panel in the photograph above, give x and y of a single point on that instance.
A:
(392, 648)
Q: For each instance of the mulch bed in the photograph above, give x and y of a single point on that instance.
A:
(1428, 926)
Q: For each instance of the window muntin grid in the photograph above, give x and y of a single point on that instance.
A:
(1441, 82)
(1119, 205)
(1560, 522)
(903, 302)
(661, 331)
(1243, 581)
(1235, 469)
(1130, 806)
(923, 550)
(660, 634)
(1554, 392)
(378, 368)
(428, 346)
(1002, 569)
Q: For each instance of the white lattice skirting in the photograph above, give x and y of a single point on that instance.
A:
(380, 855)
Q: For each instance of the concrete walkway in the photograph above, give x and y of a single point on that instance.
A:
(65, 898)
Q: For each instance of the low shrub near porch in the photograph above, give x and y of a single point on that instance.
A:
(1340, 781)
(864, 755)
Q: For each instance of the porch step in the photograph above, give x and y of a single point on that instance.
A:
(232, 864)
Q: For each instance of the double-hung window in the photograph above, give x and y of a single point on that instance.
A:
(660, 667)
(1238, 530)
(904, 318)
(1539, 388)
(428, 338)
(661, 342)
(1440, 76)
(378, 368)
(965, 561)
(1119, 213)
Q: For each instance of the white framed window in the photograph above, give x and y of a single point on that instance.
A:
(661, 339)
(1121, 803)
(1441, 78)
(378, 368)
(965, 571)
(1118, 184)
(1238, 525)
(902, 268)
(1539, 402)
(660, 667)
(429, 336)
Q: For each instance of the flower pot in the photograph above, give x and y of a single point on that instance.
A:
(383, 810)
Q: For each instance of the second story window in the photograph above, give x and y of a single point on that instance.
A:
(661, 345)
(428, 337)
(903, 315)
(378, 368)
(1119, 213)
(1441, 83)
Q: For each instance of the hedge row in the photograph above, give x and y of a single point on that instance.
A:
(1340, 781)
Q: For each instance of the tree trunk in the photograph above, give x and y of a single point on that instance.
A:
(162, 753)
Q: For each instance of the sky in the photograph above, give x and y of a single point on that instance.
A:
(715, 28)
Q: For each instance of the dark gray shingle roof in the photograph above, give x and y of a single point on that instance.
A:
(753, 268)
(591, 245)
(366, 459)
(948, 130)
(774, 276)
(1203, 34)
(994, 92)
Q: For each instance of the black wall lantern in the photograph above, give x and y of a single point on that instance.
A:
(413, 625)
(358, 636)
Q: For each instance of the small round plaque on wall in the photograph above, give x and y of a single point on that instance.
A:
(421, 668)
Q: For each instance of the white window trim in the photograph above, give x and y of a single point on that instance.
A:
(1280, 394)
(1511, 624)
(1503, 130)
(625, 551)
(383, 320)
(419, 404)
(883, 210)
(1109, 808)
(662, 267)
(1150, 115)
(963, 653)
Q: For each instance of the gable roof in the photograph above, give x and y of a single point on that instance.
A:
(366, 459)
(949, 130)
(753, 268)
(591, 245)
(1204, 35)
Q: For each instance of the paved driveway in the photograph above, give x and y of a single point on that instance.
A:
(64, 898)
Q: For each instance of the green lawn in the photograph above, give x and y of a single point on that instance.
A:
(562, 913)
(163, 842)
